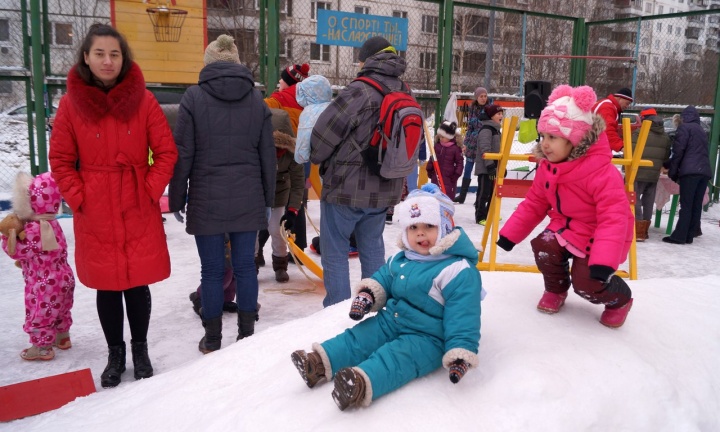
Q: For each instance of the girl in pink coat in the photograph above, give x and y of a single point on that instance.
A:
(582, 192)
(49, 280)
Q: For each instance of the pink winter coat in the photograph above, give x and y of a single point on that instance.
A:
(49, 279)
(99, 151)
(585, 199)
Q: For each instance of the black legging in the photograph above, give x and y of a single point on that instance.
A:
(110, 312)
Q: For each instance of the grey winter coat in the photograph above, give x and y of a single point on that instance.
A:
(226, 151)
(690, 152)
(488, 142)
(657, 150)
(352, 116)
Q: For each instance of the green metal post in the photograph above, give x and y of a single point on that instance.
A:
(448, 24)
(441, 18)
(273, 37)
(262, 57)
(47, 32)
(38, 79)
(715, 135)
(28, 91)
(579, 48)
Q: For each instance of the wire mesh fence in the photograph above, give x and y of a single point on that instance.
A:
(14, 137)
(666, 60)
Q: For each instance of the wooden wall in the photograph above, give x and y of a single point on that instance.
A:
(163, 62)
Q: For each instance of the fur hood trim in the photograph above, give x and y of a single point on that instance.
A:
(377, 290)
(21, 196)
(585, 143)
(284, 141)
(122, 101)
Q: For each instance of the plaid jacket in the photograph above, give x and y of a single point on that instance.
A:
(352, 116)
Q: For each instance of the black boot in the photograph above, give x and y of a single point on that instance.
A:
(460, 198)
(197, 303)
(246, 324)
(141, 360)
(280, 266)
(115, 366)
(213, 335)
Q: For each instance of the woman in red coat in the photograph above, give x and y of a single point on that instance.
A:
(104, 129)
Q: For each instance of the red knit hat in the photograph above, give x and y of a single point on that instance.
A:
(648, 112)
(293, 74)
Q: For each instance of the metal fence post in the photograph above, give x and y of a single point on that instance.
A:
(273, 31)
(579, 48)
(38, 80)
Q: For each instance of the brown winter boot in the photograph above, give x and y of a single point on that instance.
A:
(641, 230)
(310, 366)
(280, 265)
(349, 388)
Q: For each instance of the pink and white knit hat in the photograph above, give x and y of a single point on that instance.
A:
(568, 113)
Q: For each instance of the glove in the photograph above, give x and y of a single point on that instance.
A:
(601, 273)
(179, 216)
(504, 243)
(289, 219)
(492, 171)
(458, 368)
(361, 305)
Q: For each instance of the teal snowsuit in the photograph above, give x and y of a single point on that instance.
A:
(429, 315)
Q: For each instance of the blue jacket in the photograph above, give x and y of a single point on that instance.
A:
(690, 153)
(438, 298)
(314, 95)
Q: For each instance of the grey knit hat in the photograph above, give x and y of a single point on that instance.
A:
(373, 46)
(222, 49)
(479, 91)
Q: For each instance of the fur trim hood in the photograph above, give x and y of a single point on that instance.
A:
(122, 101)
(284, 141)
(585, 143)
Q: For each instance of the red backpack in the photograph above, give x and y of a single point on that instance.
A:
(393, 149)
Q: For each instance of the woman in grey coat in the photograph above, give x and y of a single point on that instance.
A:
(227, 153)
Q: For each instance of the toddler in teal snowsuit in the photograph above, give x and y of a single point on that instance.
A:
(428, 302)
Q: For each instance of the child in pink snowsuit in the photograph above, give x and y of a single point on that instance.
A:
(49, 280)
(582, 192)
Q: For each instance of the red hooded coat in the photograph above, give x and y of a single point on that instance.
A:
(609, 109)
(99, 158)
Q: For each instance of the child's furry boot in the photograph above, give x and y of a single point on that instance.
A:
(62, 341)
(349, 388)
(310, 366)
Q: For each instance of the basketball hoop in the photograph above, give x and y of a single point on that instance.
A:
(167, 23)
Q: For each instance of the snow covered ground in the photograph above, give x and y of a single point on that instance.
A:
(537, 372)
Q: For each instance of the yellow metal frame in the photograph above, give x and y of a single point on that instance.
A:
(629, 161)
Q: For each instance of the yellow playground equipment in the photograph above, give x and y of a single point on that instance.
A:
(518, 188)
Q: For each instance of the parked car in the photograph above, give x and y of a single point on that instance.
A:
(19, 113)
(635, 120)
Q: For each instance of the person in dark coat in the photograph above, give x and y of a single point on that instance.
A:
(690, 168)
(657, 150)
(486, 169)
(448, 142)
(475, 118)
(227, 153)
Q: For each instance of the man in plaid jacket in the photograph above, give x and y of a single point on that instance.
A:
(354, 199)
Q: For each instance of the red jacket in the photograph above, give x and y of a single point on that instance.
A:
(609, 109)
(99, 157)
(586, 201)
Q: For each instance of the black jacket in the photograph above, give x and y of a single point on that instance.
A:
(226, 151)
(690, 152)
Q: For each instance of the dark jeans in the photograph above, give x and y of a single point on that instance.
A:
(553, 261)
(692, 191)
(211, 249)
(110, 311)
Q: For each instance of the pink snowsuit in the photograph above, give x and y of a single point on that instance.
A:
(49, 280)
